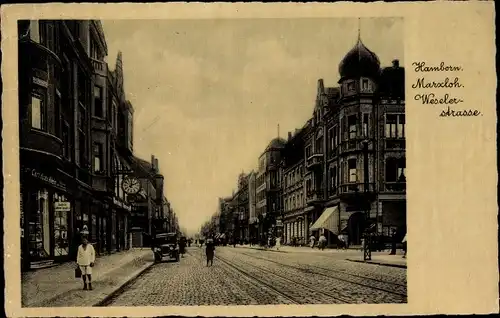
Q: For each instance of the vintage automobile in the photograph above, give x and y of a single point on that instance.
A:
(166, 245)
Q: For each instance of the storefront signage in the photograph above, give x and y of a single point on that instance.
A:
(41, 176)
(62, 206)
(122, 205)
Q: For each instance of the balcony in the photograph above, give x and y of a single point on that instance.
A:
(351, 145)
(100, 67)
(395, 144)
(395, 186)
(314, 197)
(354, 190)
(314, 161)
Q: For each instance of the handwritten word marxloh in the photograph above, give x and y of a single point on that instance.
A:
(421, 67)
(446, 83)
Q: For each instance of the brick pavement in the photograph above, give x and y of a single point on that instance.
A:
(57, 286)
(252, 277)
(191, 283)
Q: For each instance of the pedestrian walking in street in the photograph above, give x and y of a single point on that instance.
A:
(210, 251)
(393, 245)
(278, 243)
(312, 240)
(405, 246)
(85, 260)
(322, 242)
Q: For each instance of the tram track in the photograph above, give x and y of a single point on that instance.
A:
(303, 300)
(404, 295)
(252, 278)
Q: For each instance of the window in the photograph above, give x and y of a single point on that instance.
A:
(65, 140)
(94, 51)
(395, 126)
(319, 145)
(308, 151)
(335, 136)
(365, 84)
(353, 177)
(38, 112)
(98, 158)
(350, 87)
(98, 104)
(35, 31)
(308, 185)
(366, 119)
(401, 126)
(351, 122)
(395, 170)
(333, 178)
(331, 139)
(82, 158)
(57, 114)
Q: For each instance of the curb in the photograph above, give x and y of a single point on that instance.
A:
(121, 287)
(379, 263)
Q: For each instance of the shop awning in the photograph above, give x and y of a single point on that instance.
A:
(222, 236)
(329, 220)
(217, 235)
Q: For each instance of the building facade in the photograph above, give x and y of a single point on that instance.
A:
(76, 142)
(252, 213)
(295, 225)
(268, 181)
(355, 151)
(55, 85)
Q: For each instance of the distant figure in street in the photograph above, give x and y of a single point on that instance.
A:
(85, 260)
(182, 246)
(405, 246)
(210, 251)
(278, 243)
(322, 242)
(312, 240)
(393, 245)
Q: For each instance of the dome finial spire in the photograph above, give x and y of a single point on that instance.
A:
(359, 29)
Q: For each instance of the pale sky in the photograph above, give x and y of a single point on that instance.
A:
(208, 94)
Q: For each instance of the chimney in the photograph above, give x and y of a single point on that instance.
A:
(395, 63)
(157, 166)
(289, 135)
(153, 160)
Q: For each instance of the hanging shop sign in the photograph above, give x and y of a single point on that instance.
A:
(62, 206)
(122, 205)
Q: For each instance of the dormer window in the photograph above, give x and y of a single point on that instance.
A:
(350, 87)
(365, 84)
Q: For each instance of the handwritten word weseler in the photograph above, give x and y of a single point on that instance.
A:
(447, 83)
(421, 67)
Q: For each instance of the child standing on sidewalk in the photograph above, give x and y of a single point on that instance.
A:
(85, 260)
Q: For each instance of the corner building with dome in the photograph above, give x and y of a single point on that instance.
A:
(353, 159)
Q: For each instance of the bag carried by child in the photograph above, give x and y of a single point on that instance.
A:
(78, 272)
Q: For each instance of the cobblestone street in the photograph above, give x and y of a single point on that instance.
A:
(243, 276)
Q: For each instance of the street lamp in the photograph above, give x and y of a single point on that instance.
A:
(367, 255)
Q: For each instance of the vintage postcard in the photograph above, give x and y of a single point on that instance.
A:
(249, 159)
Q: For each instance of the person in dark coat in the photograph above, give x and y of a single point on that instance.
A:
(182, 246)
(210, 251)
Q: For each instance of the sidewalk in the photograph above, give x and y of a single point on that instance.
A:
(58, 287)
(384, 259)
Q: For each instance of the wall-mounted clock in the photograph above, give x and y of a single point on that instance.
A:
(131, 185)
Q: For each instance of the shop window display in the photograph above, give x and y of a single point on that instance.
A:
(39, 227)
(61, 242)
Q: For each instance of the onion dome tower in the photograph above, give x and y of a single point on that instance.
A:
(359, 62)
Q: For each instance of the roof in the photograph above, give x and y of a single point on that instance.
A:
(359, 61)
(276, 143)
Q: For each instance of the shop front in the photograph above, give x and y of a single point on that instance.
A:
(121, 212)
(46, 213)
